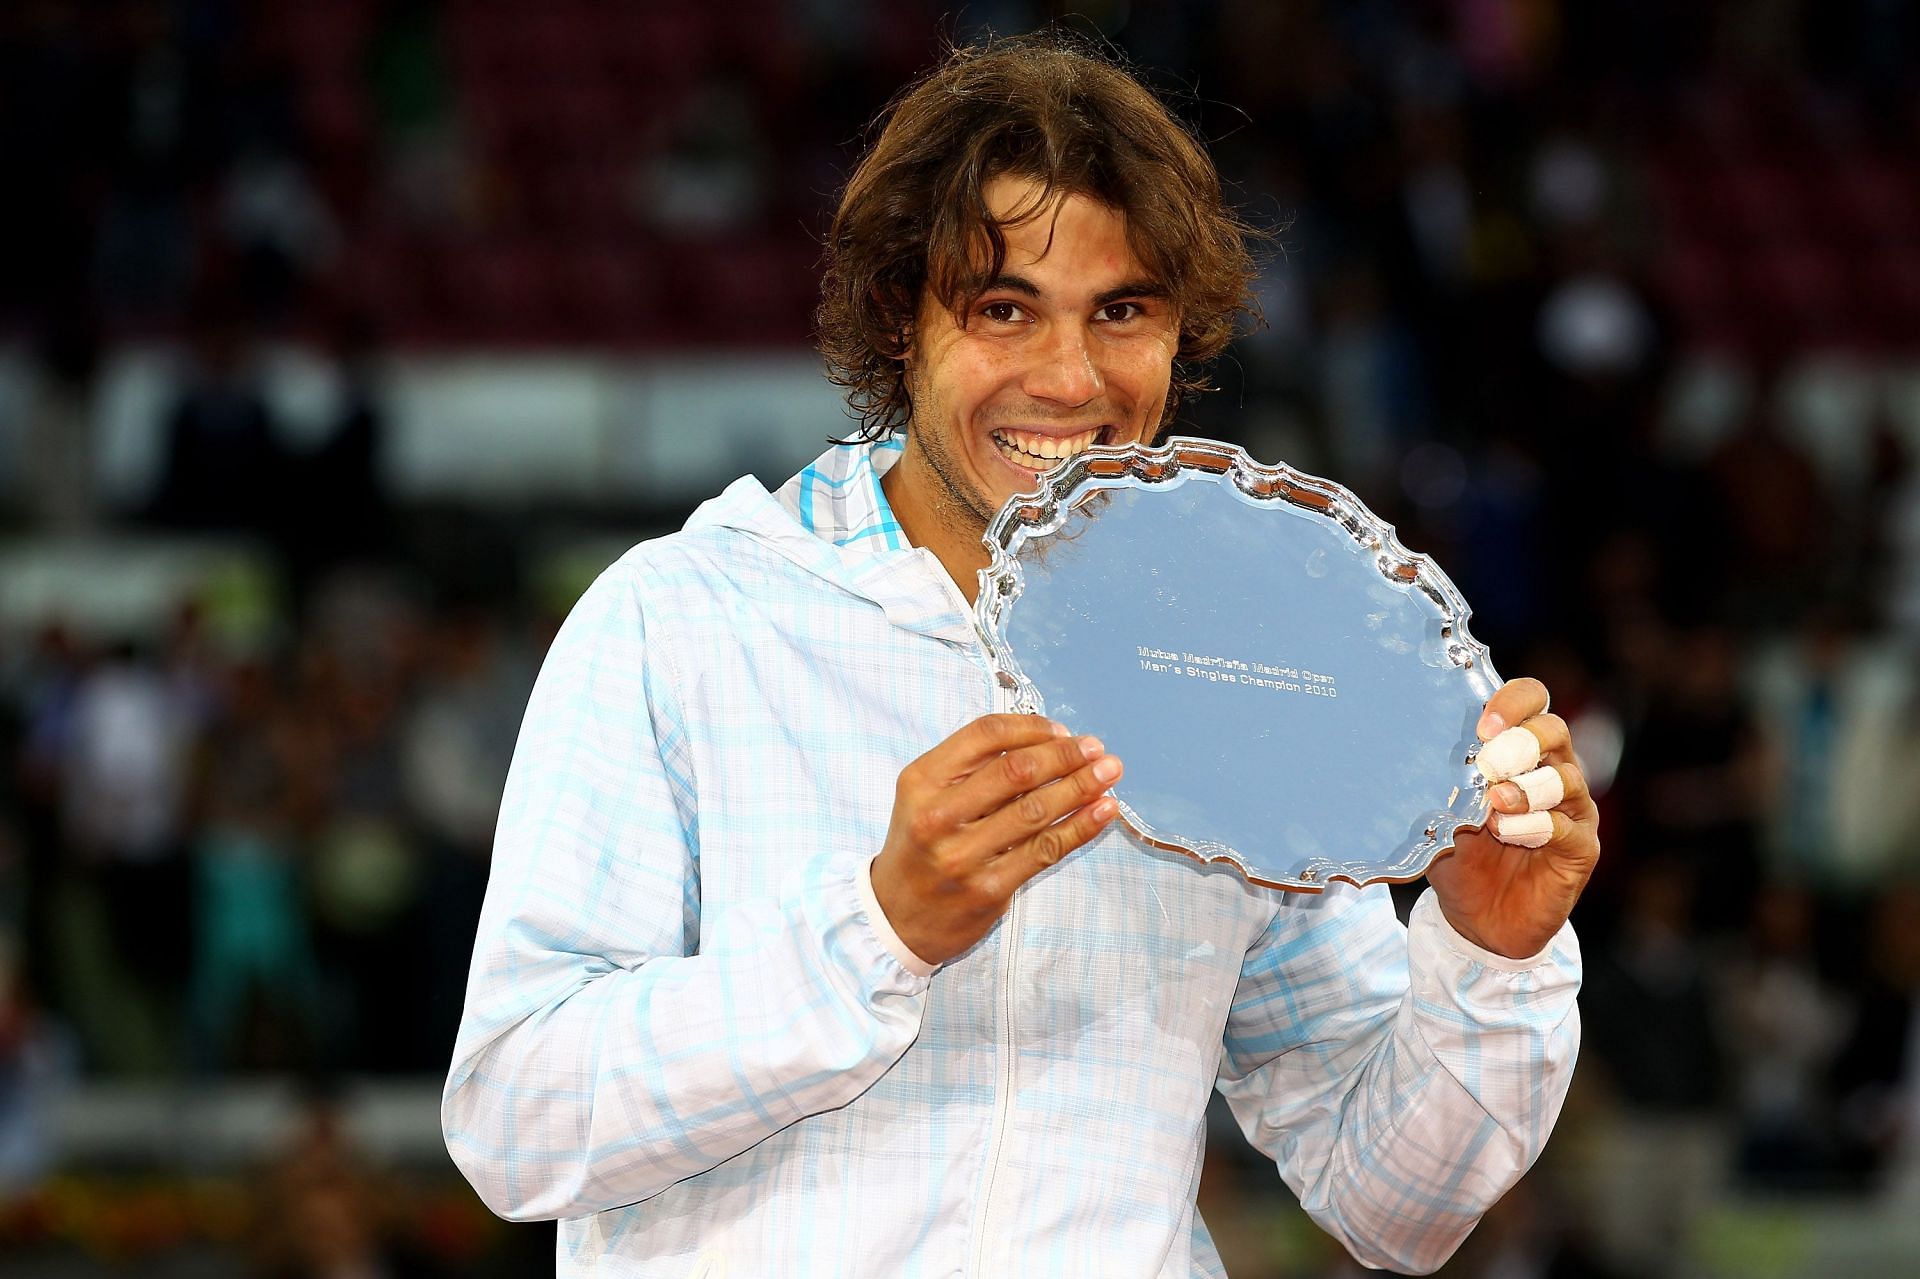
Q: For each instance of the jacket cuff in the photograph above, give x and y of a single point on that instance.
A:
(883, 927)
(1429, 919)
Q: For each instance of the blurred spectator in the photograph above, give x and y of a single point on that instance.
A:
(338, 512)
(456, 743)
(1370, 383)
(224, 467)
(1898, 504)
(458, 738)
(1593, 327)
(56, 484)
(366, 869)
(36, 1059)
(124, 770)
(39, 695)
(710, 176)
(1647, 1005)
(253, 967)
(1569, 186)
(1838, 710)
(1785, 1027)
(1693, 772)
(278, 230)
(414, 103)
(324, 1214)
(123, 788)
(1437, 200)
(1506, 501)
(1536, 1233)
(1876, 1078)
(1778, 515)
(161, 135)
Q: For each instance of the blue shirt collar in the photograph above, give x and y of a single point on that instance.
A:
(838, 497)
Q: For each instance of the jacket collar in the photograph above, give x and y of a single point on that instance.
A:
(833, 521)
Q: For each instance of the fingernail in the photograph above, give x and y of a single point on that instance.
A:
(1059, 729)
(1107, 769)
(1507, 795)
(1091, 747)
(1491, 725)
(1104, 807)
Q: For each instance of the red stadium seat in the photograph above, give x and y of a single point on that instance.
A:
(756, 291)
(1874, 199)
(1798, 295)
(1695, 280)
(611, 295)
(1886, 288)
(1763, 202)
(583, 198)
(502, 292)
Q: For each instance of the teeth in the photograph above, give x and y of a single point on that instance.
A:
(1027, 450)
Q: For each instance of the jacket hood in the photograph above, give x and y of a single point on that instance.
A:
(910, 585)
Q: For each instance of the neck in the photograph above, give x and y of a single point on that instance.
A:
(928, 522)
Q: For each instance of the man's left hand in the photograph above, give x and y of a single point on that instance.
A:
(1509, 899)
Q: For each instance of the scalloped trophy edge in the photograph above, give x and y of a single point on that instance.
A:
(1111, 466)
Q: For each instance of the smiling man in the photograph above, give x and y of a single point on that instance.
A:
(785, 968)
(1070, 344)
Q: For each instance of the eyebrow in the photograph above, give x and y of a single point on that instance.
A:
(1009, 282)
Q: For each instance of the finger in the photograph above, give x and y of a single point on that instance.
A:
(1521, 750)
(1045, 848)
(1027, 815)
(989, 787)
(1513, 752)
(1537, 830)
(1523, 830)
(1556, 741)
(1515, 702)
(981, 740)
(1548, 786)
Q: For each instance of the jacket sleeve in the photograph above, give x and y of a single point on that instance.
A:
(617, 1039)
(1402, 1078)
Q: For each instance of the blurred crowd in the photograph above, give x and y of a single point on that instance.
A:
(1693, 511)
(265, 859)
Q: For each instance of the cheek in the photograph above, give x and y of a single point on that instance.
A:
(1148, 372)
(977, 376)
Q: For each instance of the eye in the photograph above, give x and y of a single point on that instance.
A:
(1001, 312)
(1121, 312)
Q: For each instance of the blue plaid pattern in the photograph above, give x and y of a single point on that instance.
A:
(684, 1037)
(839, 498)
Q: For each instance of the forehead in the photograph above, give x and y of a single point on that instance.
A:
(1071, 233)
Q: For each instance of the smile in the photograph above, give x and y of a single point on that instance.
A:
(1038, 452)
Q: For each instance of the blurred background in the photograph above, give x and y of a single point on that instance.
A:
(342, 342)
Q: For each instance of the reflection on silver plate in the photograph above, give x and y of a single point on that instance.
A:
(1291, 690)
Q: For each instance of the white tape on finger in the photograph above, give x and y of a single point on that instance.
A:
(1524, 830)
(1544, 787)
(1514, 751)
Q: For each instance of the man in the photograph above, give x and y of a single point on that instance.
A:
(785, 967)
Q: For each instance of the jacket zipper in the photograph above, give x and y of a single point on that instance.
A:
(1003, 1094)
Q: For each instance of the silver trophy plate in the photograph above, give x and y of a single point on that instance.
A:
(1293, 692)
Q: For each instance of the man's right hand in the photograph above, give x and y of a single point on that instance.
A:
(979, 815)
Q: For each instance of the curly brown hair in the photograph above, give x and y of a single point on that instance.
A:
(914, 217)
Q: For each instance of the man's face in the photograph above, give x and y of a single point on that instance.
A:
(1072, 345)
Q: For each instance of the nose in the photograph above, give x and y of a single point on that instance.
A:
(1064, 369)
